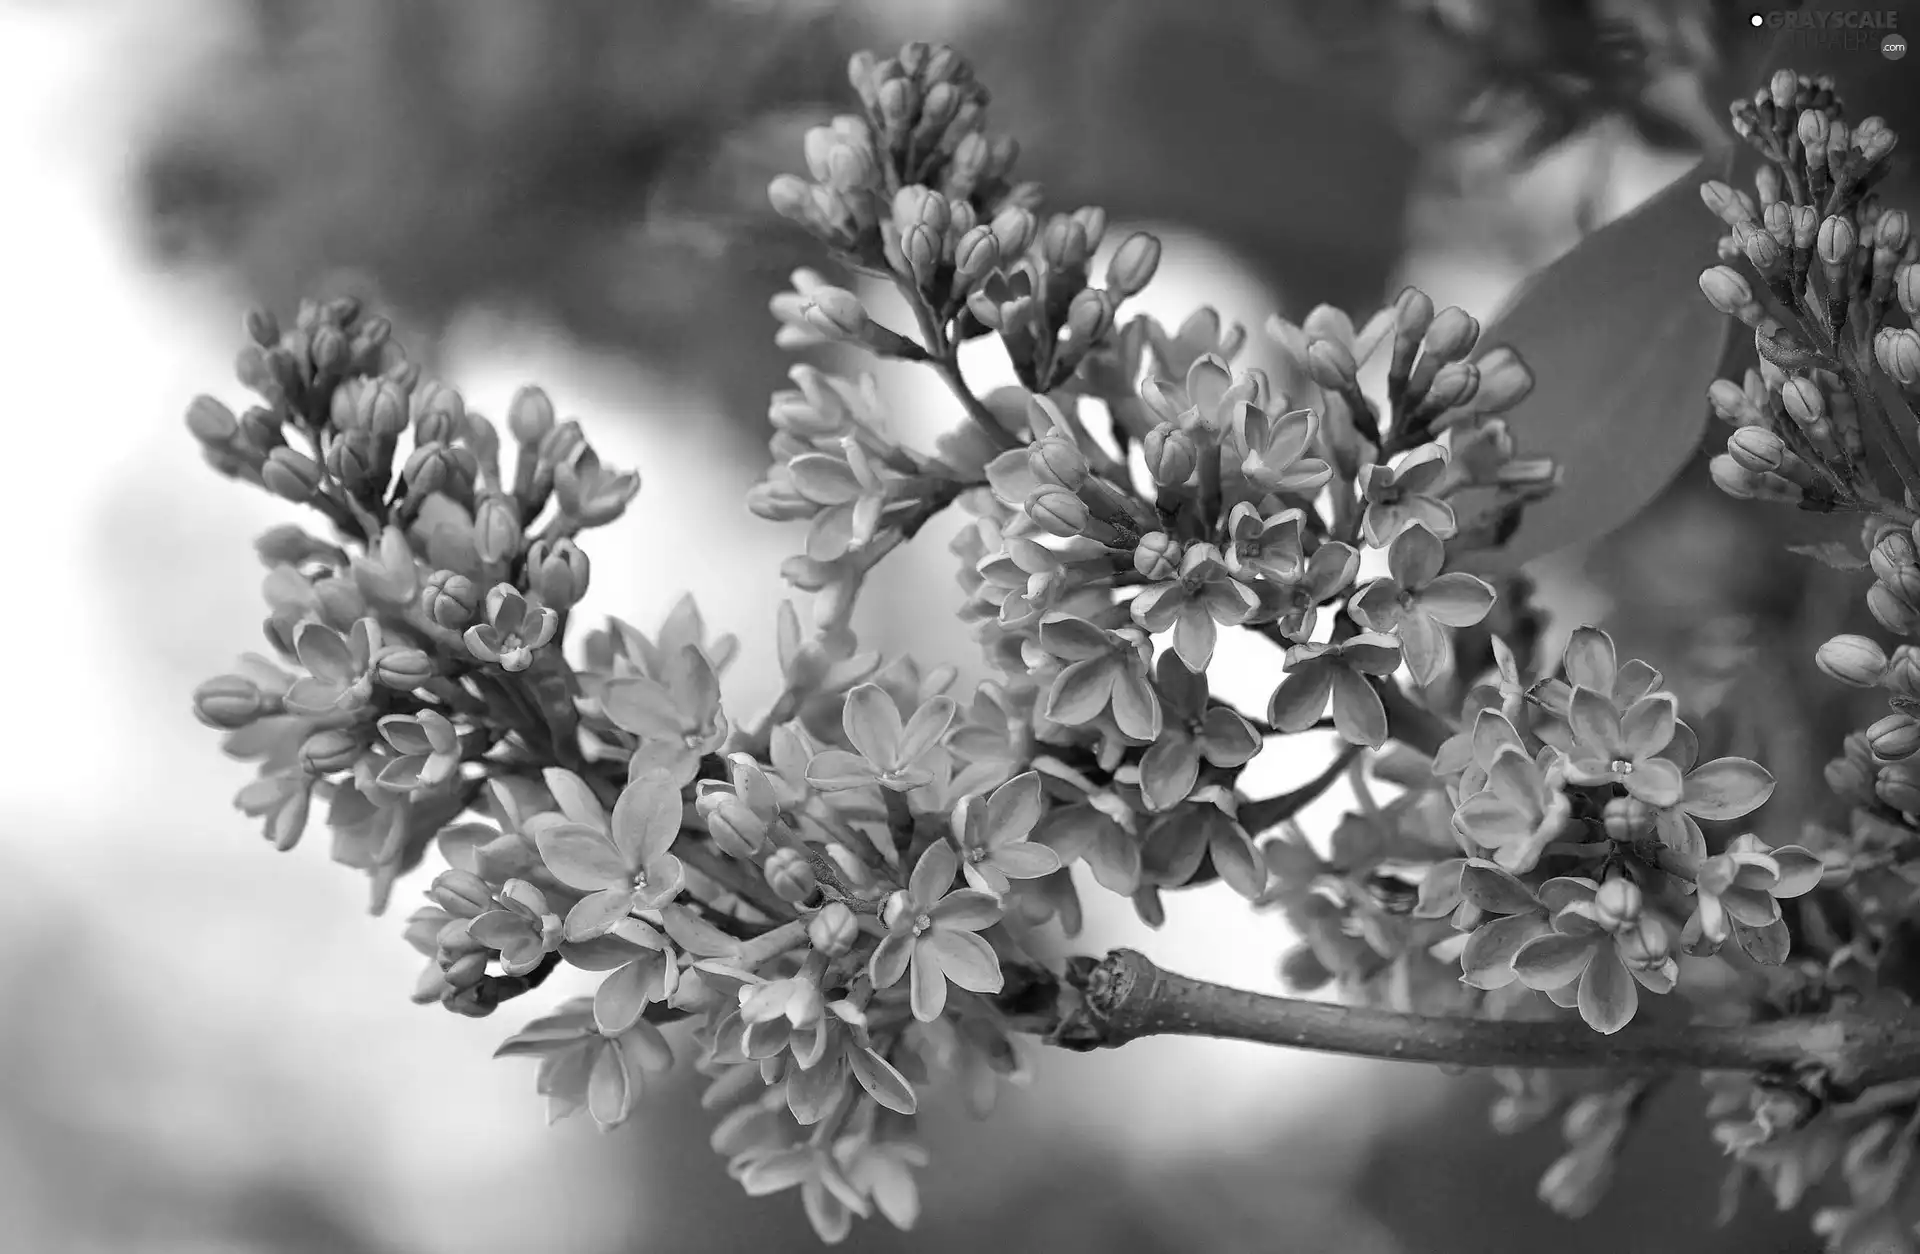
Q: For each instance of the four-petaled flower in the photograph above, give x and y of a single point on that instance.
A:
(1583, 963)
(341, 666)
(1200, 597)
(1207, 401)
(1744, 885)
(1337, 670)
(1192, 731)
(885, 752)
(933, 934)
(620, 861)
(676, 715)
(1725, 788)
(1399, 496)
(580, 1066)
(1274, 452)
(429, 749)
(515, 627)
(1417, 604)
(1521, 810)
(1614, 748)
(852, 493)
(523, 929)
(1103, 668)
(992, 831)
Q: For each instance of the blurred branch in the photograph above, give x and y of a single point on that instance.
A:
(1125, 996)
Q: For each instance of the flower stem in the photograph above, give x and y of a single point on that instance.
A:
(1125, 997)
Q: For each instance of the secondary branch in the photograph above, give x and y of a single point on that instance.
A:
(1105, 1003)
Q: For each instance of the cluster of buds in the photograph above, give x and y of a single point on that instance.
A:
(1815, 265)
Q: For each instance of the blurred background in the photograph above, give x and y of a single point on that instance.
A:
(207, 1048)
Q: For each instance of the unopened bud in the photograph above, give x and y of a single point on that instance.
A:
(292, 475)
(1505, 381)
(1897, 349)
(497, 534)
(1898, 786)
(1906, 289)
(403, 669)
(1058, 511)
(450, 600)
(1058, 460)
(557, 572)
(1731, 207)
(735, 828)
(1157, 556)
(1890, 610)
(530, 416)
(1331, 365)
(1133, 265)
(1089, 315)
(1849, 781)
(1853, 660)
(790, 876)
(1757, 449)
(1803, 400)
(335, 749)
(1836, 241)
(229, 702)
(1873, 139)
(975, 257)
(836, 312)
(461, 894)
(833, 930)
(1894, 738)
(1812, 129)
(1014, 229)
(211, 421)
(1170, 454)
(1644, 943)
(1726, 290)
(1617, 904)
(1732, 478)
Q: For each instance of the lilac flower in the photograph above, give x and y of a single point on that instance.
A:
(429, 749)
(933, 934)
(1398, 496)
(1417, 604)
(1274, 452)
(885, 752)
(1338, 670)
(1193, 731)
(1614, 748)
(1725, 788)
(852, 492)
(341, 667)
(1522, 810)
(1582, 963)
(1195, 602)
(523, 929)
(581, 1068)
(676, 714)
(513, 629)
(829, 1200)
(1744, 885)
(620, 861)
(1104, 669)
(992, 832)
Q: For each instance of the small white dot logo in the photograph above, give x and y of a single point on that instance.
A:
(1758, 20)
(1893, 47)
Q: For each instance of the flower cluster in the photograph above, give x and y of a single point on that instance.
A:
(836, 903)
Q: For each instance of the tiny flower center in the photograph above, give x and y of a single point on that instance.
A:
(1620, 766)
(921, 923)
(976, 855)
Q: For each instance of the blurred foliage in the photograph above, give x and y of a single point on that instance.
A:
(603, 164)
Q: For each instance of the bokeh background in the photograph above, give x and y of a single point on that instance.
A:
(204, 1047)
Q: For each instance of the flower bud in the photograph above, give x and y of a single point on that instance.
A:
(211, 422)
(1170, 454)
(340, 602)
(496, 528)
(335, 749)
(1732, 478)
(920, 248)
(530, 416)
(1897, 349)
(1133, 265)
(1014, 229)
(1625, 818)
(557, 572)
(1617, 904)
(1726, 290)
(467, 970)
(1157, 556)
(833, 930)
(1644, 943)
(836, 312)
(1812, 130)
(262, 327)
(1805, 403)
(975, 257)
(1873, 139)
(230, 702)
(735, 828)
(1853, 660)
(292, 475)
(1890, 611)
(1836, 241)
(1505, 381)
(1731, 402)
(1331, 365)
(1894, 738)
(1898, 785)
(1892, 553)
(450, 600)
(1890, 230)
(1732, 207)
(403, 669)
(790, 876)
(461, 894)
(1058, 460)
(1089, 315)
(1849, 781)
(1058, 511)
(1757, 449)
(1906, 290)
(1454, 385)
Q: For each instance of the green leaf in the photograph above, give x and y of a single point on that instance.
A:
(1831, 553)
(1623, 350)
